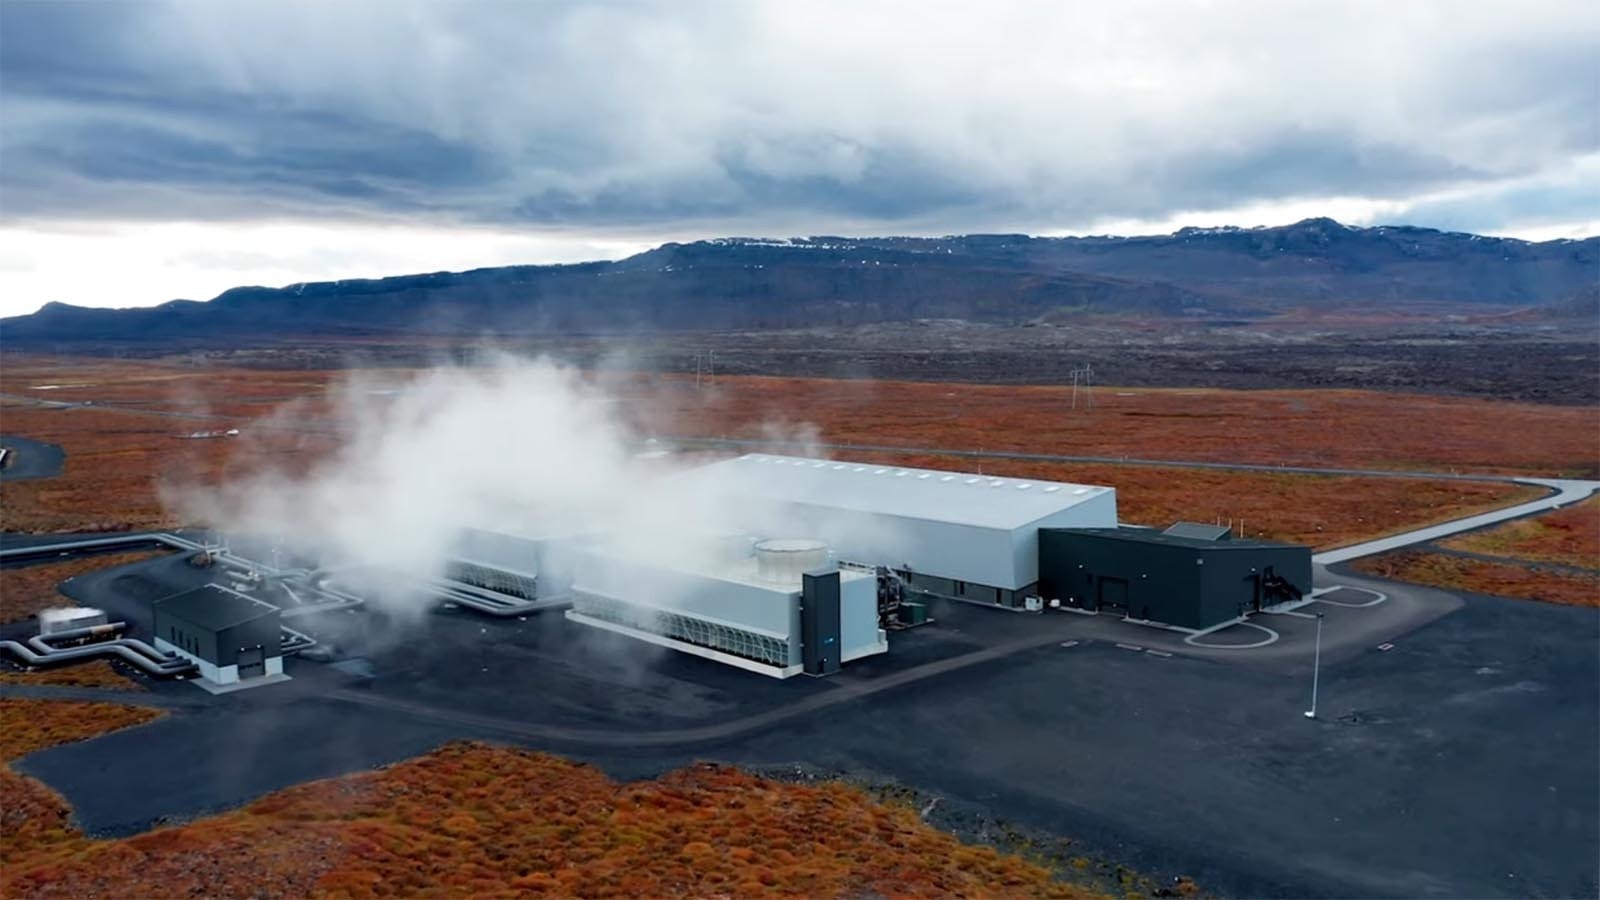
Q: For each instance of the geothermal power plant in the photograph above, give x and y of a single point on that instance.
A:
(814, 564)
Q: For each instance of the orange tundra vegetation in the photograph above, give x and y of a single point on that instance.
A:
(118, 461)
(35, 823)
(95, 673)
(1364, 429)
(118, 457)
(1569, 536)
(1328, 428)
(26, 590)
(1500, 579)
(477, 820)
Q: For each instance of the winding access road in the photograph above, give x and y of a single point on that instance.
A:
(1566, 491)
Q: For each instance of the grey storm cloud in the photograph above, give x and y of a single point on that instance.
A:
(646, 114)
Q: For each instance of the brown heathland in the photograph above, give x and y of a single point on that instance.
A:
(1500, 579)
(117, 459)
(1327, 428)
(1569, 536)
(26, 590)
(35, 823)
(479, 820)
(1362, 429)
(95, 673)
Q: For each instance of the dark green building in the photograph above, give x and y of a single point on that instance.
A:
(230, 635)
(1193, 576)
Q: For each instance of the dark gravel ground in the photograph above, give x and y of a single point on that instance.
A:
(1459, 763)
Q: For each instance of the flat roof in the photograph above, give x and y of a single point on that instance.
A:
(741, 570)
(215, 607)
(1151, 536)
(986, 501)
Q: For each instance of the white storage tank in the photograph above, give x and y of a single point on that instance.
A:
(66, 618)
(784, 560)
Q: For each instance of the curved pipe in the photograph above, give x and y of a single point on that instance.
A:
(169, 668)
(487, 604)
(41, 646)
(43, 642)
(291, 641)
(340, 600)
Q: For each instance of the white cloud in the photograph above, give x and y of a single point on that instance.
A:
(679, 119)
(143, 264)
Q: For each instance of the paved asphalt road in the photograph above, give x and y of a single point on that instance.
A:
(1566, 492)
(30, 459)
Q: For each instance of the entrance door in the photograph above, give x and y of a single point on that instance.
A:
(1112, 595)
(252, 663)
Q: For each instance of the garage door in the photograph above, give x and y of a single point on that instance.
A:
(1113, 595)
(252, 663)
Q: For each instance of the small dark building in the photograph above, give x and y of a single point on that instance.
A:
(230, 635)
(1192, 576)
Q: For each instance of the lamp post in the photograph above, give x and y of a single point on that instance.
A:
(1316, 668)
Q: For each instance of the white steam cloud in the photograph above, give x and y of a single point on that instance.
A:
(531, 448)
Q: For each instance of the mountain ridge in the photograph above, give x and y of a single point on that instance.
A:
(1203, 274)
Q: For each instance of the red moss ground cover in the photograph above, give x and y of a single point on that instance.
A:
(95, 673)
(1500, 579)
(117, 462)
(35, 823)
(484, 821)
(1368, 429)
(1328, 428)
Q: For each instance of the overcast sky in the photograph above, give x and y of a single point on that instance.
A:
(150, 151)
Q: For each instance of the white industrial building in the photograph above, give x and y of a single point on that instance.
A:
(778, 607)
(505, 563)
(860, 532)
(955, 534)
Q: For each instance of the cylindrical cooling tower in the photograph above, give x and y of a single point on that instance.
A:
(784, 560)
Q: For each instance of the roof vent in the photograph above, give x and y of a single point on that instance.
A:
(784, 560)
(1199, 531)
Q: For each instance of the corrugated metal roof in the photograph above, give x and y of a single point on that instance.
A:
(215, 607)
(987, 501)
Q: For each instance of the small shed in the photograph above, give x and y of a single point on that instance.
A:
(229, 635)
(1188, 577)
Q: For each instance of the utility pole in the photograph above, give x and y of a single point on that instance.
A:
(1083, 377)
(1316, 668)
